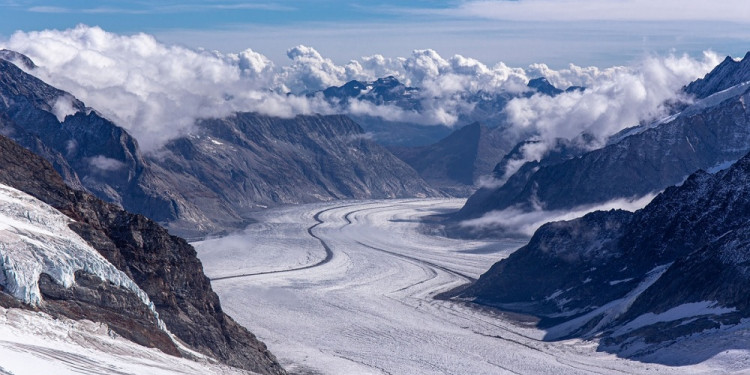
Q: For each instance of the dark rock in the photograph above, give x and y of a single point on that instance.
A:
(99, 301)
(456, 163)
(727, 74)
(602, 272)
(543, 86)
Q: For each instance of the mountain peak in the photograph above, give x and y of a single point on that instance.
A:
(389, 81)
(542, 85)
(725, 75)
(17, 58)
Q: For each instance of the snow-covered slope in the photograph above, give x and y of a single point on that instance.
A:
(34, 343)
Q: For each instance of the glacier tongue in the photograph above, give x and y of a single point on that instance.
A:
(35, 239)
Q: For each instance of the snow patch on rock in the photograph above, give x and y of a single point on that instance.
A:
(686, 310)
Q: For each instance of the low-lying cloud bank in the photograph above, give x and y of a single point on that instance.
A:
(158, 91)
(513, 221)
(615, 98)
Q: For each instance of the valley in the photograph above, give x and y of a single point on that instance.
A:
(177, 208)
(367, 307)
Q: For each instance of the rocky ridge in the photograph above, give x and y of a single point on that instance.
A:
(639, 161)
(637, 281)
(246, 161)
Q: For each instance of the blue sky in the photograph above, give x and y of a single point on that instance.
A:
(517, 32)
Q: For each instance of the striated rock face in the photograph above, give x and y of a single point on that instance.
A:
(164, 266)
(456, 163)
(237, 164)
(727, 74)
(642, 280)
(643, 160)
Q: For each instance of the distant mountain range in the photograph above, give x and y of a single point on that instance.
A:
(485, 107)
(457, 162)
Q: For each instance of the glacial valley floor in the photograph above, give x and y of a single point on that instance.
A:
(347, 287)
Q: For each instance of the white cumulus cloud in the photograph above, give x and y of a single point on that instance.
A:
(158, 91)
(614, 99)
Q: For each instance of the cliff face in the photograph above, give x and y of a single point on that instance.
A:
(639, 281)
(236, 164)
(163, 266)
(457, 162)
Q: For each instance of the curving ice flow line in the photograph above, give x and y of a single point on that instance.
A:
(402, 256)
(326, 259)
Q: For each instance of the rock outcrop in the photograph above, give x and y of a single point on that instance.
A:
(164, 266)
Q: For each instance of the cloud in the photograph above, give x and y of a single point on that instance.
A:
(615, 98)
(162, 9)
(105, 164)
(155, 91)
(158, 91)
(63, 107)
(513, 221)
(610, 10)
(49, 9)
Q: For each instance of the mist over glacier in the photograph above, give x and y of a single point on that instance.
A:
(157, 91)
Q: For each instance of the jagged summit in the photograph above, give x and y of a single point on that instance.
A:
(387, 90)
(17, 58)
(543, 86)
(727, 74)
